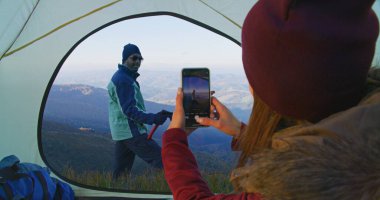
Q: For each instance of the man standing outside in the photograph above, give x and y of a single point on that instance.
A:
(127, 116)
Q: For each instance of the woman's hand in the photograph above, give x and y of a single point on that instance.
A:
(178, 118)
(222, 119)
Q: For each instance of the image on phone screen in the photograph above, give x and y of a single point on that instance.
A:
(196, 99)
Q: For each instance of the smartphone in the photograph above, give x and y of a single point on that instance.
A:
(196, 94)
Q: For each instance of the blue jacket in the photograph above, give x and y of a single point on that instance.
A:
(127, 114)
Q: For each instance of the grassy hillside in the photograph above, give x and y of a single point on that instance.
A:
(86, 158)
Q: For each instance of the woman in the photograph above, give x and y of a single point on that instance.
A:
(307, 63)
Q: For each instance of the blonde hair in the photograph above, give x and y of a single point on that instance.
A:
(342, 168)
(262, 125)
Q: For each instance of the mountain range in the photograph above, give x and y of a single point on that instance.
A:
(75, 133)
(84, 106)
(161, 86)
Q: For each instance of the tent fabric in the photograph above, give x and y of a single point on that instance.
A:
(51, 15)
(13, 20)
(36, 35)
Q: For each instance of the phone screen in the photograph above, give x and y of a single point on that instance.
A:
(196, 99)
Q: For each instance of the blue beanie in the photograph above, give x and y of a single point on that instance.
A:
(130, 49)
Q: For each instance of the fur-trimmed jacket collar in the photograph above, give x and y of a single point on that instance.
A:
(337, 158)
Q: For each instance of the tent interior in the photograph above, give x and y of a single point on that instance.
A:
(38, 36)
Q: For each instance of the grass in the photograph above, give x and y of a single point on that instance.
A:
(152, 181)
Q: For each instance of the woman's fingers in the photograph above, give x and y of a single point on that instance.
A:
(206, 121)
(218, 106)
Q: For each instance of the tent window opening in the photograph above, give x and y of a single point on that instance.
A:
(76, 137)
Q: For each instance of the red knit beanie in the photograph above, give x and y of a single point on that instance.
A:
(309, 58)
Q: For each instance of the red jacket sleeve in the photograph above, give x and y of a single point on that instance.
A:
(181, 170)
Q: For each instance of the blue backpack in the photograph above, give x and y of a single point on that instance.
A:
(30, 181)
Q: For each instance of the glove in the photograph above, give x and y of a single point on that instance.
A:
(161, 117)
(168, 114)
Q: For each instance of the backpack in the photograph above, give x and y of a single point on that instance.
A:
(30, 181)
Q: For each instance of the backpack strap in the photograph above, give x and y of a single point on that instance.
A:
(9, 173)
(58, 193)
(43, 182)
(7, 190)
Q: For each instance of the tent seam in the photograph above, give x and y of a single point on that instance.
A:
(22, 29)
(229, 19)
(57, 28)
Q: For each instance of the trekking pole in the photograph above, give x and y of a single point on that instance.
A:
(152, 132)
(169, 114)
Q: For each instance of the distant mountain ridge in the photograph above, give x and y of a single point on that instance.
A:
(161, 86)
(82, 106)
(79, 105)
(70, 107)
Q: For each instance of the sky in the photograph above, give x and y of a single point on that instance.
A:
(165, 42)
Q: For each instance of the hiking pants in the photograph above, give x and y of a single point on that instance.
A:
(125, 151)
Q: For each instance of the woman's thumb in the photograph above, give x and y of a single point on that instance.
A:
(179, 98)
